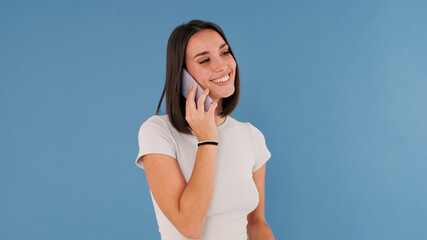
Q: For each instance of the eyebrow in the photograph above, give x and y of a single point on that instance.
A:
(205, 52)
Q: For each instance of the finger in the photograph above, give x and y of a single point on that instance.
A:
(190, 105)
(212, 108)
(201, 101)
(190, 97)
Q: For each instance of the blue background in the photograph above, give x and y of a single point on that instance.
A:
(337, 87)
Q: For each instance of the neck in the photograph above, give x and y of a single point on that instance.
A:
(218, 119)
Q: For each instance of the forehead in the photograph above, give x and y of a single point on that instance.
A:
(205, 40)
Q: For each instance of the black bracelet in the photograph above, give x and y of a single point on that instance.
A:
(207, 143)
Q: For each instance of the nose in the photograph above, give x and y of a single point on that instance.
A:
(219, 65)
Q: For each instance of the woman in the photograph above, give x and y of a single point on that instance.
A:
(214, 190)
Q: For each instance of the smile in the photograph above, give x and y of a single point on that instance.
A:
(223, 79)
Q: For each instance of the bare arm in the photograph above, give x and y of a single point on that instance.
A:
(186, 204)
(258, 228)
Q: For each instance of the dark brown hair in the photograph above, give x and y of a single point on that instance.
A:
(175, 62)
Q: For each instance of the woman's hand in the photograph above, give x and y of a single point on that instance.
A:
(202, 123)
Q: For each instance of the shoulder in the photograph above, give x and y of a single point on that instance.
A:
(156, 123)
(155, 136)
(157, 120)
(244, 126)
(255, 130)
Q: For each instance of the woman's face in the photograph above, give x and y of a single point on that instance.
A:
(211, 64)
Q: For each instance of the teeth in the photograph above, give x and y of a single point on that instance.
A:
(223, 79)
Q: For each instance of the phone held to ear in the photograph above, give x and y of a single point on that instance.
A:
(187, 82)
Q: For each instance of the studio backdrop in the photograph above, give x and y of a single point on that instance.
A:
(338, 88)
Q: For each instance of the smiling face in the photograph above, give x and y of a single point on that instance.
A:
(209, 61)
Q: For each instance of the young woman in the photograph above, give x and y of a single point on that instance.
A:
(205, 169)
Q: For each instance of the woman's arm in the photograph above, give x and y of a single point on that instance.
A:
(257, 227)
(186, 204)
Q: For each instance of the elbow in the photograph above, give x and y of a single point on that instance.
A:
(194, 235)
(192, 230)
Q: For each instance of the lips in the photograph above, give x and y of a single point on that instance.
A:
(222, 79)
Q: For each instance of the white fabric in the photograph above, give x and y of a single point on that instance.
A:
(241, 151)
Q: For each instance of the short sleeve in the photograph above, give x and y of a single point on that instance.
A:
(261, 151)
(154, 137)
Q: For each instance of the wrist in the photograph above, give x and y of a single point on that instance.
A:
(207, 142)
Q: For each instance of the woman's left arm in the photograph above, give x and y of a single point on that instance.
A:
(257, 227)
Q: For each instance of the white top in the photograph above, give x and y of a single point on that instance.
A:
(241, 151)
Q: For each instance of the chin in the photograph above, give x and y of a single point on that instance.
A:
(228, 94)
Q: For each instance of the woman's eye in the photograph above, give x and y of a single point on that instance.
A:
(206, 60)
(226, 53)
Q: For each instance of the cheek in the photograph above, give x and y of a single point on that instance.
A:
(201, 76)
(232, 64)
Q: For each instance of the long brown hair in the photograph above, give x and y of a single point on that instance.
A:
(175, 62)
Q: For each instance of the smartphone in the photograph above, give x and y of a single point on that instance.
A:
(187, 81)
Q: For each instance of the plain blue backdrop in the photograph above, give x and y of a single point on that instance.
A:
(339, 89)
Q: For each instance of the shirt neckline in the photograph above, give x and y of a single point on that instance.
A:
(224, 123)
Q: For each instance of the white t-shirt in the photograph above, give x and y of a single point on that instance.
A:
(241, 151)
